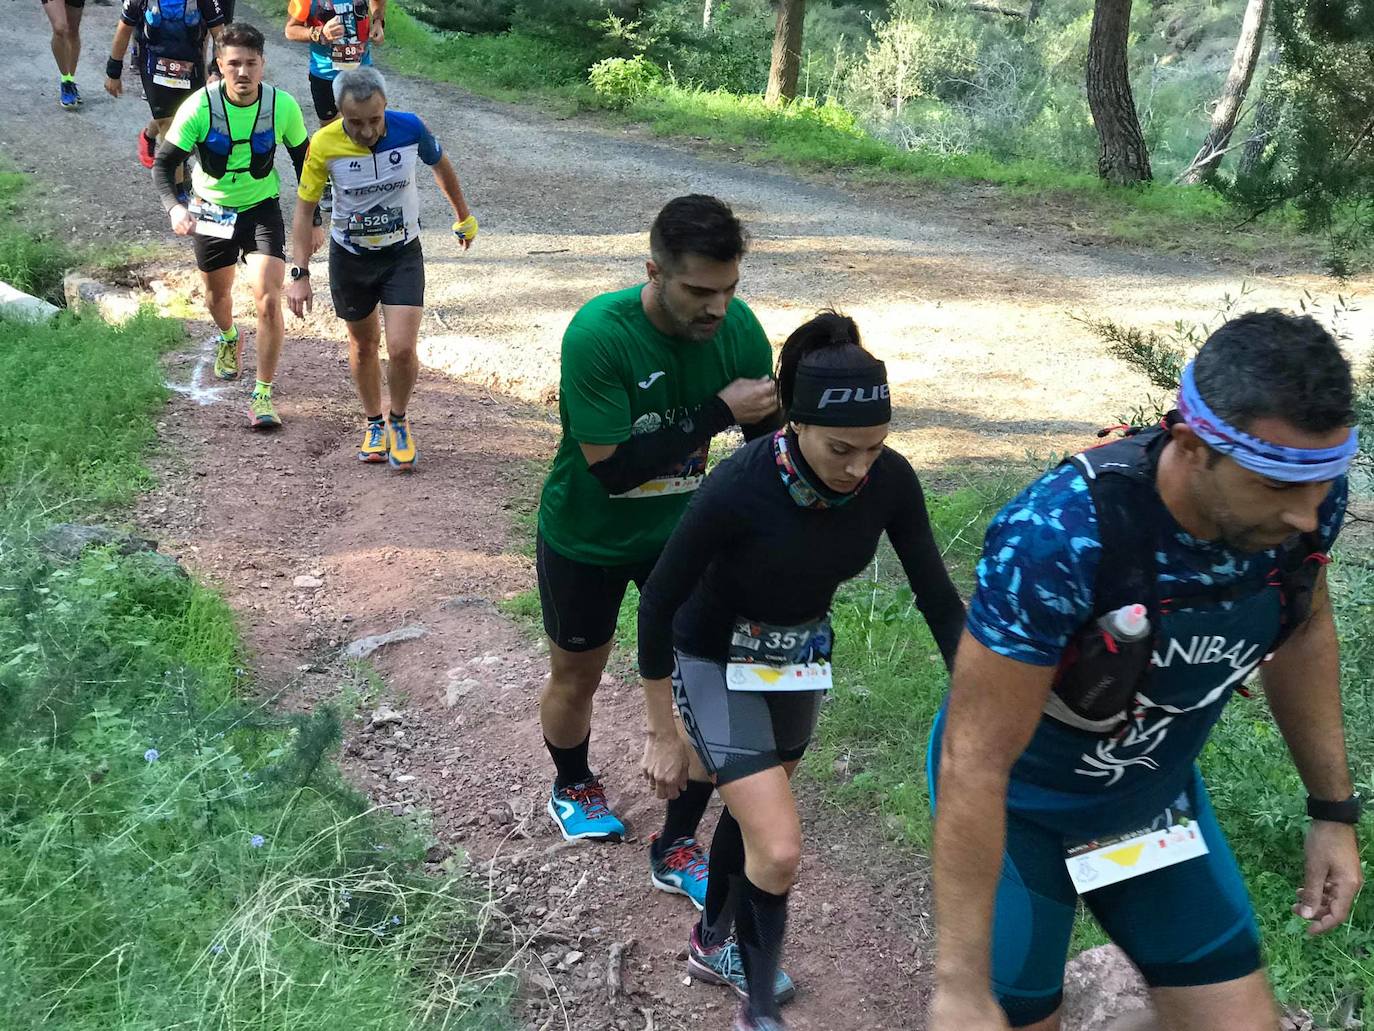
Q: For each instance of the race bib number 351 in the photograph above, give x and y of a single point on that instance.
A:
(779, 658)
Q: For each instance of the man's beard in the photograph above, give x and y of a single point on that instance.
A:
(684, 326)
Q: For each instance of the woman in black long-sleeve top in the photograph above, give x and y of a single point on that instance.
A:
(737, 613)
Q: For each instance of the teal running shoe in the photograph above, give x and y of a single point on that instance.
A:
(723, 965)
(681, 870)
(581, 812)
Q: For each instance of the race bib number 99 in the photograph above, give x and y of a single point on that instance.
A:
(779, 658)
(173, 74)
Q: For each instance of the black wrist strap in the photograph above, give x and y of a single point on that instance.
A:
(114, 68)
(1345, 811)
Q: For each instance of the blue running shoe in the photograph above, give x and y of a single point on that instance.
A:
(69, 96)
(581, 812)
(681, 870)
(744, 1022)
(724, 965)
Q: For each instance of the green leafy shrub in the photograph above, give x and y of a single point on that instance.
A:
(619, 81)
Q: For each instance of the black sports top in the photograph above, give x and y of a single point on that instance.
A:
(746, 550)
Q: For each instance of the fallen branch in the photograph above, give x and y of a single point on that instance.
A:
(614, 984)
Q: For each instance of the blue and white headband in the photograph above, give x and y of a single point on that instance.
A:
(1288, 464)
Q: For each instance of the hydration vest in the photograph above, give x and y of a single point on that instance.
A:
(1132, 520)
(173, 28)
(219, 143)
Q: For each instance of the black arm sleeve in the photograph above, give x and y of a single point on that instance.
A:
(936, 596)
(759, 429)
(645, 455)
(298, 153)
(165, 165)
(701, 533)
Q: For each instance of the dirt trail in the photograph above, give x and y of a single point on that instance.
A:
(314, 550)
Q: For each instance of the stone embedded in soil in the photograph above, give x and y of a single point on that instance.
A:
(384, 716)
(1101, 985)
(365, 646)
(308, 582)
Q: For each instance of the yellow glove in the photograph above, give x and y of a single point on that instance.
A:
(466, 229)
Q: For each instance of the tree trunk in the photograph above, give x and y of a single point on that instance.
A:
(787, 42)
(1232, 94)
(707, 10)
(1122, 157)
(1268, 113)
(1033, 11)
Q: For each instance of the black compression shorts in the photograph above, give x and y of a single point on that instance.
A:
(163, 101)
(580, 601)
(739, 733)
(258, 230)
(70, 3)
(360, 282)
(322, 93)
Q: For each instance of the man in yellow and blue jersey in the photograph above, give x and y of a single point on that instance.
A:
(371, 155)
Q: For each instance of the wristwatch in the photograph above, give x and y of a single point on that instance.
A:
(299, 273)
(316, 32)
(1345, 811)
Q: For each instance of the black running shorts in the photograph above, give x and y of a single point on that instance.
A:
(360, 282)
(163, 101)
(259, 230)
(739, 733)
(70, 3)
(580, 601)
(322, 93)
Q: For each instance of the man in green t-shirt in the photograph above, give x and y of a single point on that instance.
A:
(650, 374)
(234, 127)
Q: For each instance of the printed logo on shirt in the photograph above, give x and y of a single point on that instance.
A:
(355, 166)
(1150, 721)
(653, 378)
(394, 157)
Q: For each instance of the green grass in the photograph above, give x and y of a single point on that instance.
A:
(30, 260)
(79, 394)
(171, 854)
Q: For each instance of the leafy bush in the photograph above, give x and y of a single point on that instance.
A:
(619, 81)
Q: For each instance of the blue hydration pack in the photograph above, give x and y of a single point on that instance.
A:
(219, 143)
(173, 28)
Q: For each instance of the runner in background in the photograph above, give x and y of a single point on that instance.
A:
(376, 265)
(65, 18)
(171, 37)
(234, 127)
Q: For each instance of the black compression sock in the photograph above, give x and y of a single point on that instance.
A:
(762, 921)
(724, 883)
(571, 763)
(684, 813)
